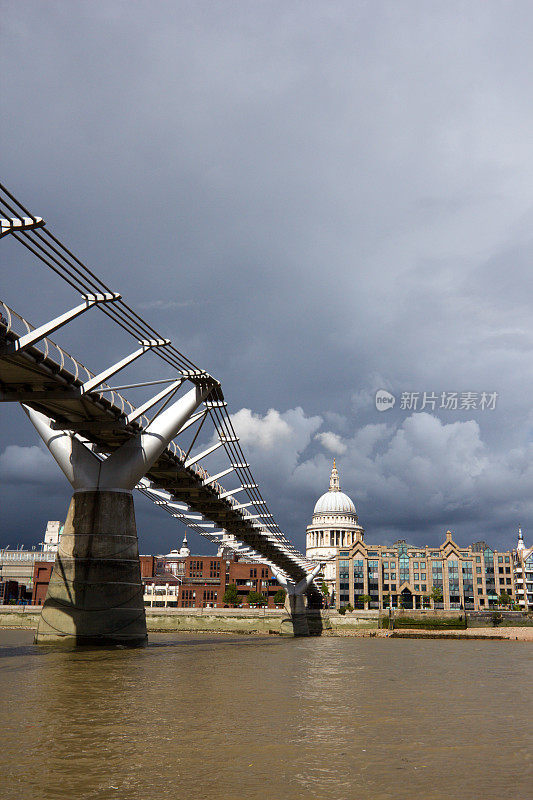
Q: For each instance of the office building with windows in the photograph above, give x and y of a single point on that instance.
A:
(410, 577)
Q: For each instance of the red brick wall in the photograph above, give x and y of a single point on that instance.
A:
(147, 566)
(42, 571)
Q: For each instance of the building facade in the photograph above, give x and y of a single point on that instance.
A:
(334, 525)
(406, 576)
(182, 580)
(523, 574)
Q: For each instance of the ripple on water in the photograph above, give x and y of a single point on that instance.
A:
(266, 718)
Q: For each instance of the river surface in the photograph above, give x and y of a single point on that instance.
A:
(227, 718)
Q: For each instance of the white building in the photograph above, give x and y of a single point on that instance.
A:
(53, 532)
(334, 525)
(523, 573)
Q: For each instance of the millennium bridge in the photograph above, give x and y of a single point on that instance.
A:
(107, 447)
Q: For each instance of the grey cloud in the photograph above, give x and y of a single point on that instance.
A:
(341, 193)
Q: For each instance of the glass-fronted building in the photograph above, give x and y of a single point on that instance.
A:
(405, 576)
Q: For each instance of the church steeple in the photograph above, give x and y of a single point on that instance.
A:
(520, 545)
(334, 481)
(184, 550)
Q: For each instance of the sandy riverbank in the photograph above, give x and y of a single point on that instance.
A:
(516, 634)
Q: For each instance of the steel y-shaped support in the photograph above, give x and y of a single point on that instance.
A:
(95, 593)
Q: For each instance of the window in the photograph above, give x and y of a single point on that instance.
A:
(196, 569)
(214, 569)
(253, 573)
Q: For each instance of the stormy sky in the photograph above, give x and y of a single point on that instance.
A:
(314, 201)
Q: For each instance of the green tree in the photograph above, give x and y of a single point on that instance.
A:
(505, 599)
(349, 607)
(362, 599)
(342, 610)
(279, 597)
(436, 594)
(386, 600)
(256, 599)
(231, 595)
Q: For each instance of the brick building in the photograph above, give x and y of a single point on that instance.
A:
(182, 580)
(42, 572)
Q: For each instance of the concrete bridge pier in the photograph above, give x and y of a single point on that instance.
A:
(95, 595)
(296, 623)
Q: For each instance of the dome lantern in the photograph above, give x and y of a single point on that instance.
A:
(334, 481)
(334, 501)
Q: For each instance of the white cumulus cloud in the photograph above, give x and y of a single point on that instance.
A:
(332, 442)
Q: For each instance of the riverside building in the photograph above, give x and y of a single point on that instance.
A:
(182, 580)
(402, 575)
(523, 574)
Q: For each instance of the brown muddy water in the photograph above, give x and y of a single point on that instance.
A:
(227, 718)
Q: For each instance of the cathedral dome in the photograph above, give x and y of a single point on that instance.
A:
(334, 501)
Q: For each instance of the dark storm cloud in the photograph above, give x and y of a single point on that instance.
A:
(314, 200)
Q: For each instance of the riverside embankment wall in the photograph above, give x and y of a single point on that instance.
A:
(270, 621)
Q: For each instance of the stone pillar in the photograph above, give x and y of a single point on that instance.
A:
(295, 624)
(95, 594)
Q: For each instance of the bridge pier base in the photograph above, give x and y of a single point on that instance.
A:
(95, 594)
(297, 621)
(295, 624)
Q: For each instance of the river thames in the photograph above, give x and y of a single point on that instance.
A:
(255, 717)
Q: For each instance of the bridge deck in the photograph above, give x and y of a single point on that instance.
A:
(47, 379)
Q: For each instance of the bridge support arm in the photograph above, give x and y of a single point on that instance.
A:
(127, 465)
(91, 384)
(80, 466)
(49, 327)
